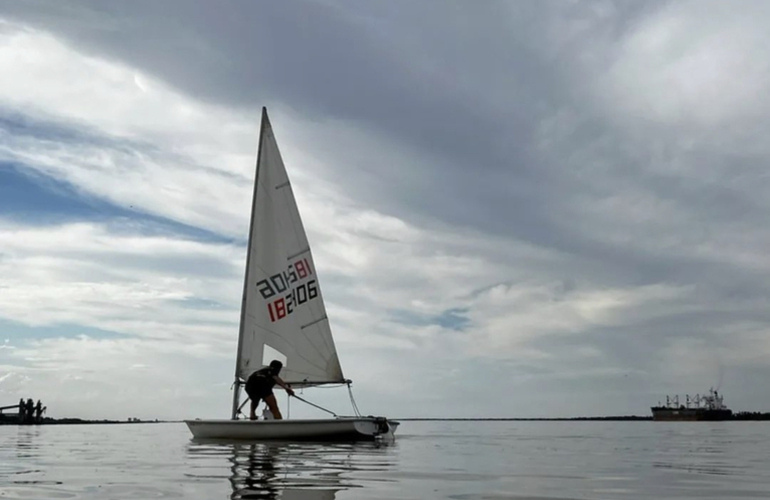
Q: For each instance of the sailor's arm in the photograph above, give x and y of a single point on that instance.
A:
(284, 385)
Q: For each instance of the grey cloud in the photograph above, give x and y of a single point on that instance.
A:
(505, 107)
(468, 88)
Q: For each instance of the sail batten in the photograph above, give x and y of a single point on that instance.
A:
(294, 256)
(282, 294)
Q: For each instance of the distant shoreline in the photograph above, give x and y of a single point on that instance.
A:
(80, 421)
(520, 419)
(741, 416)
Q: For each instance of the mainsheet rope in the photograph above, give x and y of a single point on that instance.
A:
(315, 405)
(288, 405)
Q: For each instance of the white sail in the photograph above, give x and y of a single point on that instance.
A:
(282, 303)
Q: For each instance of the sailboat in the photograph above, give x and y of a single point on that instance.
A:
(283, 317)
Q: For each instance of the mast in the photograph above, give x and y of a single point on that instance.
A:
(237, 384)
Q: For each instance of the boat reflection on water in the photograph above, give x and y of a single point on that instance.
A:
(263, 471)
(292, 471)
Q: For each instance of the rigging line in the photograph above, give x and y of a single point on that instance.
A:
(242, 405)
(315, 405)
(353, 401)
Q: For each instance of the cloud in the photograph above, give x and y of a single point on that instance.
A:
(101, 134)
(552, 200)
(694, 64)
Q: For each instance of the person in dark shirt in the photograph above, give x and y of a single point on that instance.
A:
(260, 385)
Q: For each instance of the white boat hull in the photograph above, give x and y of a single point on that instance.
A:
(339, 429)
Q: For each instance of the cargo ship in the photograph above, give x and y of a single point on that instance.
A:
(710, 408)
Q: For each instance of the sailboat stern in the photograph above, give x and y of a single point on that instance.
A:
(376, 427)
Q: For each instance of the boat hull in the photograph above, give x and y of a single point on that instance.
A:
(339, 429)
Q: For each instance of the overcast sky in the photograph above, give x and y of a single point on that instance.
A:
(522, 208)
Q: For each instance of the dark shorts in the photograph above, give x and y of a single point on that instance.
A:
(259, 388)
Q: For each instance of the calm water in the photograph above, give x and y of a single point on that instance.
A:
(458, 460)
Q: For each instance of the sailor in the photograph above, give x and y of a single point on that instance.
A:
(260, 386)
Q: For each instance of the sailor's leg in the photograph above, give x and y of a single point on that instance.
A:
(273, 405)
(253, 413)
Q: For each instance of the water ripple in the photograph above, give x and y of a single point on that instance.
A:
(468, 460)
(275, 470)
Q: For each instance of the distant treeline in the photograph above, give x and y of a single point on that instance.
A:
(515, 419)
(8, 420)
(751, 415)
(82, 421)
(744, 415)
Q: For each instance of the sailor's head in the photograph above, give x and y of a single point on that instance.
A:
(276, 366)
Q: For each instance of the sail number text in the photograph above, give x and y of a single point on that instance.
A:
(281, 283)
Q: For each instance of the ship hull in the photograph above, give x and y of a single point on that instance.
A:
(664, 414)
